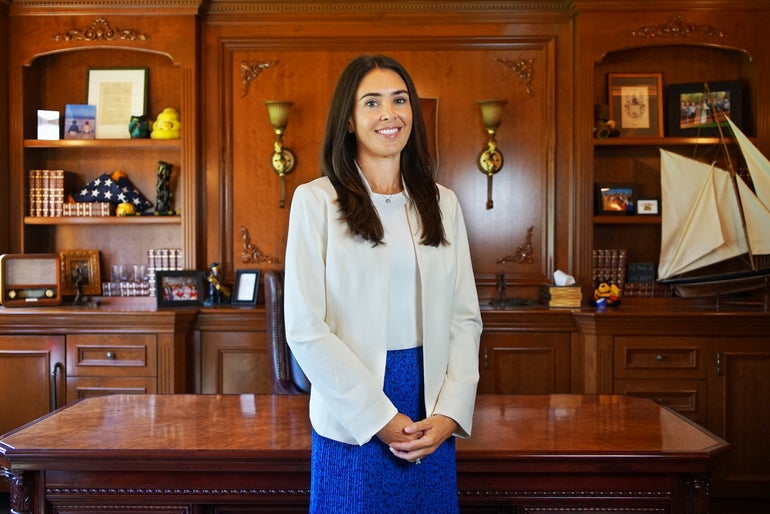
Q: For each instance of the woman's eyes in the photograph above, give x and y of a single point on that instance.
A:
(400, 100)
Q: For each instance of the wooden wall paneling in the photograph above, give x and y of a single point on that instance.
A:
(4, 191)
(457, 63)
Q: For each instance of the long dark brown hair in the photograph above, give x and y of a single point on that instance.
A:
(338, 159)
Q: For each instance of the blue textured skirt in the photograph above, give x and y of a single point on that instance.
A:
(368, 479)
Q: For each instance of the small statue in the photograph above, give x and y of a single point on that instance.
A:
(167, 126)
(218, 293)
(139, 127)
(79, 277)
(163, 200)
(604, 127)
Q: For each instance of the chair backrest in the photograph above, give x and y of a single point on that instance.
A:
(286, 374)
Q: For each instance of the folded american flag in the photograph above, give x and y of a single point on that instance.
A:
(114, 188)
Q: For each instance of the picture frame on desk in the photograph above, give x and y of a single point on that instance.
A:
(118, 94)
(636, 103)
(647, 207)
(246, 287)
(180, 288)
(83, 266)
(695, 107)
(615, 199)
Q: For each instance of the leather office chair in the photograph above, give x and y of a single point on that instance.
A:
(287, 376)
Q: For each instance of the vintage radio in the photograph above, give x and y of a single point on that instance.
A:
(29, 280)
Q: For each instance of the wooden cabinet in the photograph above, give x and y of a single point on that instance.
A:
(99, 364)
(706, 363)
(48, 70)
(57, 355)
(233, 354)
(525, 352)
(671, 370)
(739, 411)
(31, 377)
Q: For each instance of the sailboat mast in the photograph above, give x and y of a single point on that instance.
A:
(733, 175)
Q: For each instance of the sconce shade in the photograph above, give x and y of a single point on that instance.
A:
(492, 112)
(278, 111)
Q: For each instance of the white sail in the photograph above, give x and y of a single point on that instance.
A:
(756, 207)
(701, 222)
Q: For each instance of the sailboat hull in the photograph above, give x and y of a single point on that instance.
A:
(719, 284)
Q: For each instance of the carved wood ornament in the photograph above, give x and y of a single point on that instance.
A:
(523, 254)
(677, 27)
(101, 30)
(251, 253)
(251, 70)
(524, 69)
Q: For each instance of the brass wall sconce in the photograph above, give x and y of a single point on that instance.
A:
(283, 159)
(490, 160)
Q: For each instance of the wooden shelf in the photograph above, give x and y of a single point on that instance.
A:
(657, 141)
(103, 220)
(103, 143)
(627, 220)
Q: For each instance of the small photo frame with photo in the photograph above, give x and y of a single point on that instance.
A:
(80, 267)
(246, 287)
(648, 207)
(636, 103)
(693, 110)
(180, 288)
(79, 121)
(615, 199)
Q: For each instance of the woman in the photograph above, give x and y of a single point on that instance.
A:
(381, 306)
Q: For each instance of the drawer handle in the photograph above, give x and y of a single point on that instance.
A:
(660, 357)
(110, 356)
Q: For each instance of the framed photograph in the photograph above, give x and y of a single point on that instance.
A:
(636, 103)
(180, 288)
(647, 207)
(615, 199)
(79, 121)
(694, 112)
(118, 94)
(246, 287)
(80, 267)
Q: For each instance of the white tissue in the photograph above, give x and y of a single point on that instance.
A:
(562, 279)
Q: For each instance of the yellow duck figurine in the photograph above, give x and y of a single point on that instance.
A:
(167, 126)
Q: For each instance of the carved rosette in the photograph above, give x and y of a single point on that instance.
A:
(101, 30)
(677, 27)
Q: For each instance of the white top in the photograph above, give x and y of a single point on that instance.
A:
(403, 300)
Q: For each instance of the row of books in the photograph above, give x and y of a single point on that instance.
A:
(47, 191)
(609, 265)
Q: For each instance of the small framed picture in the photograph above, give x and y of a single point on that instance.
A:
(693, 110)
(180, 288)
(615, 199)
(80, 268)
(636, 103)
(79, 121)
(647, 207)
(246, 287)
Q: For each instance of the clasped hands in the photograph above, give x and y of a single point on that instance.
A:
(413, 440)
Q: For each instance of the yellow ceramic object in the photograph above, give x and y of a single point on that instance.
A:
(167, 126)
(125, 209)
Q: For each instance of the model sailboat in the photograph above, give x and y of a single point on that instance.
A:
(710, 215)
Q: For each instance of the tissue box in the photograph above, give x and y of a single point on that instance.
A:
(561, 296)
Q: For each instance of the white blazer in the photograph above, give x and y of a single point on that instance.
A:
(336, 317)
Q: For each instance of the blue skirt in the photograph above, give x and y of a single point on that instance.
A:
(368, 479)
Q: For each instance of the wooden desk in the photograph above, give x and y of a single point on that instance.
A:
(245, 453)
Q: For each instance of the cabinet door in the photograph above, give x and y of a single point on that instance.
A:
(739, 412)
(524, 363)
(31, 378)
(234, 363)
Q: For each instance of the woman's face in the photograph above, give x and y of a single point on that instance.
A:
(382, 114)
